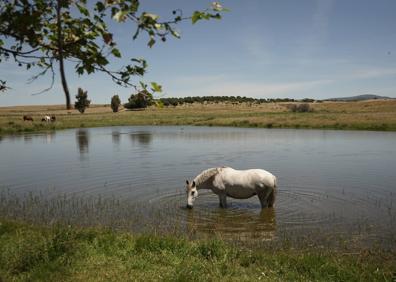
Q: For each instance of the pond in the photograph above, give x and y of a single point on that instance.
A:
(341, 184)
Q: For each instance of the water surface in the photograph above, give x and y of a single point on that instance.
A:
(332, 182)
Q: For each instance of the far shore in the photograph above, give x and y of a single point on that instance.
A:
(378, 115)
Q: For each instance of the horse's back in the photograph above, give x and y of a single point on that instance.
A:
(247, 178)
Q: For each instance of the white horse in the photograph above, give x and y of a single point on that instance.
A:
(46, 119)
(237, 184)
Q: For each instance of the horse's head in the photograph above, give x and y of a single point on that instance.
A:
(192, 193)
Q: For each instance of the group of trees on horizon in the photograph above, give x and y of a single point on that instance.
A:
(144, 99)
(221, 99)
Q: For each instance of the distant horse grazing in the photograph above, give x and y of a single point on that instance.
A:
(46, 119)
(237, 184)
(25, 118)
(53, 118)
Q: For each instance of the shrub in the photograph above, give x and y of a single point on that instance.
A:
(115, 103)
(82, 101)
(301, 108)
(141, 100)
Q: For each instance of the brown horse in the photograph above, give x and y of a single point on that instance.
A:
(25, 118)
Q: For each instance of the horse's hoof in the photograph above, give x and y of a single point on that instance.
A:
(189, 206)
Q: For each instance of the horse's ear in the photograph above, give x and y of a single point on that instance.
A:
(193, 185)
(187, 182)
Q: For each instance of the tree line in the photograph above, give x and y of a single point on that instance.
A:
(225, 99)
(144, 99)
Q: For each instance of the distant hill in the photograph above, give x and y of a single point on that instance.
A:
(359, 98)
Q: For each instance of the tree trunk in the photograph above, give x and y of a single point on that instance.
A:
(64, 82)
(60, 55)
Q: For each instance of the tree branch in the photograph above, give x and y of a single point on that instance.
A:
(24, 54)
(52, 80)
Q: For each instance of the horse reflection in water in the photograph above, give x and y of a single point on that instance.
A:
(236, 224)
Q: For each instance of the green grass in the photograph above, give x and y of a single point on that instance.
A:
(64, 253)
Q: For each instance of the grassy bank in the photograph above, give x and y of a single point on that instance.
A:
(72, 254)
(366, 115)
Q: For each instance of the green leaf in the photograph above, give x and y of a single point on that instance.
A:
(159, 26)
(151, 16)
(151, 42)
(216, 6)
(116, 52)
(143, 85)
(82, 9)
(80, 70)
(196, 16)
(100, 6)
(120, 16)
(155, 87)
(175, 33)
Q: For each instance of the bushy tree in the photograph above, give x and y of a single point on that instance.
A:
(82, 100)
(115, 103)
(141, 100)
(304, 108)
(47, 33)
(300, 108)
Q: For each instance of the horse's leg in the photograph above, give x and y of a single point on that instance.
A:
(263, 195)
(271, 198)
(223, 200)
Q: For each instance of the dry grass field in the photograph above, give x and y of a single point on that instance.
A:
(364, 115)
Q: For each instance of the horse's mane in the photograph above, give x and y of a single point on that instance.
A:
(205, 175)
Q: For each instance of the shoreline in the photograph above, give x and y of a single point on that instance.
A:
(376, 115)
(36, 252)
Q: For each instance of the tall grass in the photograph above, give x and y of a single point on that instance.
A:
(66, 253)
(86, 211)
(170, 220)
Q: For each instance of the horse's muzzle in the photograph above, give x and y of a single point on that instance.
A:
(189, 206)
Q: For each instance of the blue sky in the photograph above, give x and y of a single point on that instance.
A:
(266, 49)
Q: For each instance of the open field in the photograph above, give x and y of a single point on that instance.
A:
(365, 115)
(35, 253)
